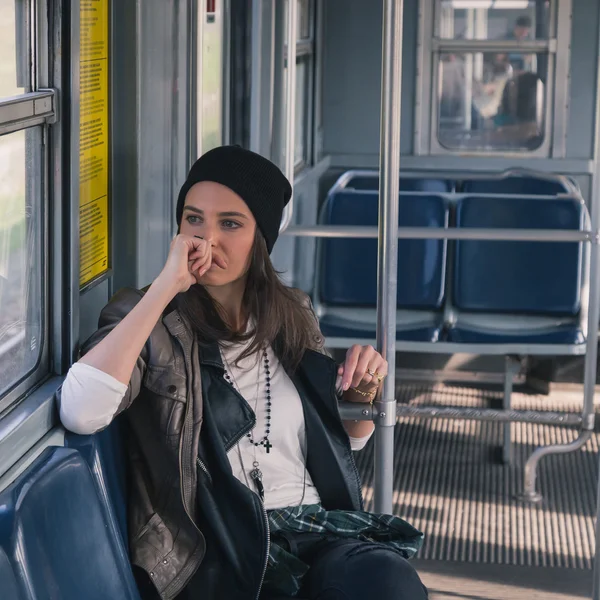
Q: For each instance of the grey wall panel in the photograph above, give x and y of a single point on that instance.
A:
(352, 76)
(583, 78)
(295, 257)
(91, 303)
(156, 139)
(124, 144)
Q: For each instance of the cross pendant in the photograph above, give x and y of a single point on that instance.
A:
(268, 446)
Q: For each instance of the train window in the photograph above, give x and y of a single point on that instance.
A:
(14, 50)
(485, 103)
(21, 264)
(484, 20)
(304, 20)
(304, 76)
(27, 107)
(302, 100)
(486, 74)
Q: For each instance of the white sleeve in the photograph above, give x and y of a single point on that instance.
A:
(89, 399)
(360, 443)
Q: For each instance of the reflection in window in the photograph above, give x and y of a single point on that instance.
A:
(518, 20)
(14, 75)
(20, 260)
(485, 103)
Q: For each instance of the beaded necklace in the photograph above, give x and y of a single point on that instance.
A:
(256, 473)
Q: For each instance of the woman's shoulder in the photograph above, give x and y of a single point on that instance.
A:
(120, 305)
(301, 297)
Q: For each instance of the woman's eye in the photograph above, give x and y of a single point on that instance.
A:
(191, 219)
(230, 224)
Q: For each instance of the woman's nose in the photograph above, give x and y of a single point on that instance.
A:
(209, 232)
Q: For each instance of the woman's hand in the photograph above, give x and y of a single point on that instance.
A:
(364, 369)
(189, 258)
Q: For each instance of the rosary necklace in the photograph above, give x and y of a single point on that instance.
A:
(256, 473)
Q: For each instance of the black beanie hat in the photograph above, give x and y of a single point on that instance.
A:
(260, 184)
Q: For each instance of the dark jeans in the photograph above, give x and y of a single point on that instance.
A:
(349, 569)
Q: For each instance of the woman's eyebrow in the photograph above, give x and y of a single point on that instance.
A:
(221, 214)
(233, 214)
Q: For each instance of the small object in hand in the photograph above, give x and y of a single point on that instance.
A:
(199, 237)
(256, 475)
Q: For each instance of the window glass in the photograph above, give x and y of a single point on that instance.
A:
(485, 103)
(516, 20)
(303, 19)
(210, 78)
(14, 74)
(302, 110)
(302, 124)
(20, 258)
(303, 28)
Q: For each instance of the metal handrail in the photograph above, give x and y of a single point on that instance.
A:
(358, 412)
(433, 233)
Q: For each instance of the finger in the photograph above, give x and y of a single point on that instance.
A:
(199, 247)
(197, 265)
(201, 264)
(376, 370)
(366, 356)
(350, 365)
(199, 260)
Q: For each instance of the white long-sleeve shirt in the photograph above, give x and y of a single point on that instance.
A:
(90, 398)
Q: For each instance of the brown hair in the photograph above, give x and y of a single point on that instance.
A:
(282, 316)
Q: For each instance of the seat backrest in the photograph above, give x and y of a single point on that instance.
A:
(515, 184)
(365, 182)
(56, 532)
(105, 456)
(542, 278)
(9, 588)
(348, 274)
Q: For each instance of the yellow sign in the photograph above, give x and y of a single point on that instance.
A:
(93, 140)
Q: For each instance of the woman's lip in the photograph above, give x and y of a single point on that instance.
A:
(218, 263)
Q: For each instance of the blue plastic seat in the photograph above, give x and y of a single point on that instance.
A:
(347, 290)
(518, 292)
(516, 184)
(57, 534)
(104, 452)
(105, 457)
(9, 586)
(370, 182)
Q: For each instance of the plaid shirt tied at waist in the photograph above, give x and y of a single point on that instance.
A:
(285, 570)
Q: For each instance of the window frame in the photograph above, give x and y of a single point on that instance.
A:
(305, 52)
(35, 110)
(431, 46)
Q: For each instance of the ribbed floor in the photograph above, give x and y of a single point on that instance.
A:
(448, 485)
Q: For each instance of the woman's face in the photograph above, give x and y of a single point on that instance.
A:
(217, 214)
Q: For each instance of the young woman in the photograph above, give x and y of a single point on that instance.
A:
(242, 480)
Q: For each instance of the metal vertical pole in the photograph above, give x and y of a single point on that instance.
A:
(594, 308)
(290, 105)
(387, 270)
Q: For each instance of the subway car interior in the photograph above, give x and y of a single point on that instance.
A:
(445, 161)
